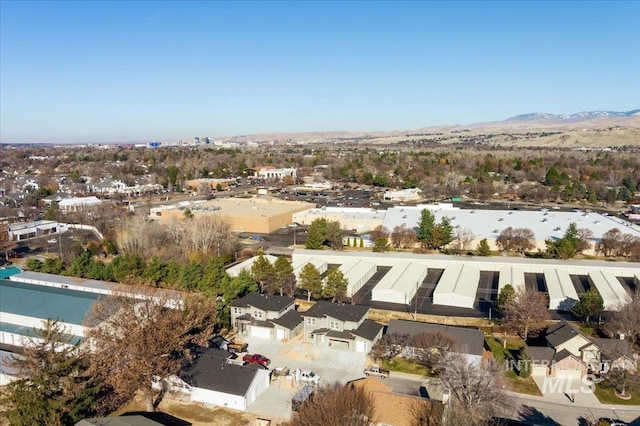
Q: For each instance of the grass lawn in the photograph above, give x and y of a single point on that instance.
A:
(521, 385)
(513, 381)
(607, 395)
(405, 366)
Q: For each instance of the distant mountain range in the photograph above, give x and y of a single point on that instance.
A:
(572, 118)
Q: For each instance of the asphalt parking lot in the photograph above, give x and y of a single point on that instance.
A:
(332, 365)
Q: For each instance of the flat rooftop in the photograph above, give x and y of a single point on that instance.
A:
(249, 207)
(70, 306)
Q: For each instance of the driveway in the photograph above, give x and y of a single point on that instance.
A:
(563, 390)
(333, 366)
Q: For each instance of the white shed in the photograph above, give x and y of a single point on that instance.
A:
(235, 270)
(562, 293)
(357, 273)
(457, 286)
(511, 275)
(609, 288)
(400, 284)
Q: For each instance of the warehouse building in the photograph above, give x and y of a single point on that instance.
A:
(246, 265)
(262, 215)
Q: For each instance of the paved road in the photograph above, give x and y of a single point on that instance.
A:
(533, 409)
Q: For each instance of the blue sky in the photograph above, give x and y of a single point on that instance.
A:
(140, 71)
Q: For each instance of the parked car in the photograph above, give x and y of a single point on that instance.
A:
(256, 359)
(375, 370)
(308, 376)
(303, 395)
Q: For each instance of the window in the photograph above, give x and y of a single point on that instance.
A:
(311, 321)
(335, 325)
(257, 314)
(237, 311)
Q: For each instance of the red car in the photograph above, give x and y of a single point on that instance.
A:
(257, 359)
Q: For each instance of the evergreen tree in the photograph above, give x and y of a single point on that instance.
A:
(504, 299)
(483, 248)
(264, 273)
(316, 234)
(425, 228)
(589, 304)
(283, 275)
(53, 388)
(336, 285)
(310, 280)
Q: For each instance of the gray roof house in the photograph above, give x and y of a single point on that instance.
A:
(471, 340)
(269, 317)
(565, 337)
(213, 379)
(341, 326)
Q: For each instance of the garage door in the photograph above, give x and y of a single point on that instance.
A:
(281, 334)
(339, 344)
(361, 346)
(539, 370)
(263, 332)
(568, 374)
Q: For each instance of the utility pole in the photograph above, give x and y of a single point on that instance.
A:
(415, 313)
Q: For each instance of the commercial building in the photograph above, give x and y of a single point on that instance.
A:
(256, 214)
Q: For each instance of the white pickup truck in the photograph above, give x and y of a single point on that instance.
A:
(308, 376)
(375, 370)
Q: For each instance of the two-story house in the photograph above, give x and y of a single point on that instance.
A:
(575, 354)
(269, 317)
(341, 326)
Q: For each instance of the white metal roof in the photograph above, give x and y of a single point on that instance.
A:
(609, 288)
(511, 275)
(489, 223)
(404, 278)
(458, 286)
(562, 293)
(356, 271)
(400, 283)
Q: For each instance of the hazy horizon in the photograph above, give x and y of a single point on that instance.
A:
(92, 72)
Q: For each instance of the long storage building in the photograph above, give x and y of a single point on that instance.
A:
(457, 286)
(400, 284)
(610, 289)
(562, 293)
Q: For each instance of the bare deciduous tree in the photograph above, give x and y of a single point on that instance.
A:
(527, 311)
(336, 405)
(462, 239)
(516, 239)
(7, 243)
(403, 237)
(389, 346)
(626, 319)
(477, 389)
(429, 347)
(426, 413)
(203, 236)
(136, 338)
